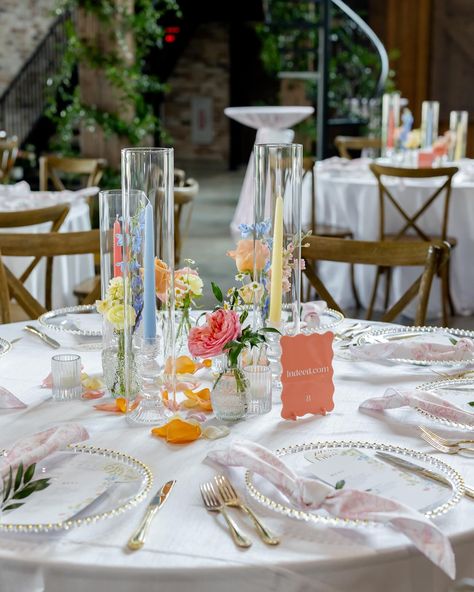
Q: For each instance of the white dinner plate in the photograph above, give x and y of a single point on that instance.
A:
(5, 346)
(295, 457)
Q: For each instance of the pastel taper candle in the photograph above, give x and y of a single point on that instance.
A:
(277, 264)
(149, 296)
(117, 252)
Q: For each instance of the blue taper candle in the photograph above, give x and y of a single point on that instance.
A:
(149, 297)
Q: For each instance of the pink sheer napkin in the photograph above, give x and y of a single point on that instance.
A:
(9, 401)
(413, 350)
(344, 503)
(34, 448)
(429, 402)
(311, 312)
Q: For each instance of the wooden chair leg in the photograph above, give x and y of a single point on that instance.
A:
(452, 310)
(388, 285)
(444, 277)
(370, 308)
(355, 293)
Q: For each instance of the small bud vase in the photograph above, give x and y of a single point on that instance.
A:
(230, 393)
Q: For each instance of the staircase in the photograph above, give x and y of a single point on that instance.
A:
(307, 37)
(22, 103)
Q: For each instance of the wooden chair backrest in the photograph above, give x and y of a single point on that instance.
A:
(179, 178)
(8, 154)
(411, 220)
(50, 166)
(346, 143)
(182, 196)
(431, 256)
(47, 244)
(23, 218)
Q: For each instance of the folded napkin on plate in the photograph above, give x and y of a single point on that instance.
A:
(9, 401)
(34, 448)
(311, 311)
(415, 350)
(351, 504)
(429, 402)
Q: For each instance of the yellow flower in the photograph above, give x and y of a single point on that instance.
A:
(116, 315)
(102, 306)
(251, 293)
(195, 284)
(413, 139)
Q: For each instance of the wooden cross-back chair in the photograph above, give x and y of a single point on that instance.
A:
(24, 218)
(50, 166)
(47, 244)
(410, 229)
(327, 230)
(432, 256)
(8, 155)
(345, 144)
(184, 196)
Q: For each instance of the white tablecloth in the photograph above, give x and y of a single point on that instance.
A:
(347, 195)
(189, 549)
(68, 272)
(271, 124)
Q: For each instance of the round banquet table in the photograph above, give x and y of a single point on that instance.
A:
(189, 548)
(347, 195)
(69, 271)
(271, 124)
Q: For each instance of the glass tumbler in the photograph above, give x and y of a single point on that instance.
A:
(259, 392)
(66, 377)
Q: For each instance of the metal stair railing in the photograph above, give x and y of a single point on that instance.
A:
(24, 100)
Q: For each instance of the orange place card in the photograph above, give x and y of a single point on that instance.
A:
(307, 374)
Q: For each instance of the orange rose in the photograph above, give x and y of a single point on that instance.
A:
(161, 278)
(244, 255)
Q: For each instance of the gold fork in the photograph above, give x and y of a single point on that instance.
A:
(446, 449)
(445, 441)
(231, 498)
(214, 503)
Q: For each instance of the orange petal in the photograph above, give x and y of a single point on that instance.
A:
(178, 431)
(121, 403)
(184, 365)
(110, 407)
(92, 394)
(207, 363)
(201, 399)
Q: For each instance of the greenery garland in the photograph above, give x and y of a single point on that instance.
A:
(123, 71)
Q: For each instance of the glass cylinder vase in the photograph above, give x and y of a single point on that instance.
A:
(229, 395)
(150, 281)
(458, 123)
(390, 122)
(429, 123)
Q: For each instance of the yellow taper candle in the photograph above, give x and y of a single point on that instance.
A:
(277, 264)
(459, 139)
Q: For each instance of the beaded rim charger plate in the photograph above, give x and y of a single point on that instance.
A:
(128, 483)
(273, 502)
(456, 387)
(400, 334)
(58, 320)
(5, 346)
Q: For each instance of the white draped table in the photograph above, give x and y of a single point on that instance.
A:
(347, 195)
(189, 548)
(68, 272)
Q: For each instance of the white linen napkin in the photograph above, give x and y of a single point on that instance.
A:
(344, 503)
(415, 350)
(429, 402)
(34, 448)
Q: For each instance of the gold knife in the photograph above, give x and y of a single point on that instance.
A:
(46, 338)
(401, 462)
(137, 540)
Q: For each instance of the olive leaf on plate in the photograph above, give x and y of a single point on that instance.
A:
(19, 486)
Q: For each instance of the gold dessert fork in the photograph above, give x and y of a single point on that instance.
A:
(231, 498)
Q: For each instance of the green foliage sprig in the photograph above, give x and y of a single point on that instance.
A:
(20, 486)
(124, 70)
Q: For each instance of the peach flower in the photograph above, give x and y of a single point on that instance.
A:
(162, 273)
(221, 327)
(244, 254)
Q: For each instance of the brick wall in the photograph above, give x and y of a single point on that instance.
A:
(23, 24)
(193, 112)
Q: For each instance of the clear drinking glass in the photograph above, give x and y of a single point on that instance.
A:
(390, 122)
(66, 377)
(259, 391)
(458, 121)
(149, 171)
(429, 123)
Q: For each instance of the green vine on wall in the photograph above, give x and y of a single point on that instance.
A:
(123, 69)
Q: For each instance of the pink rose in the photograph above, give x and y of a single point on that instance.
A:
(221, 327)
(244, 254)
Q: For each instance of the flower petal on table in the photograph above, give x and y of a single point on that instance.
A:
(178, 431)
(118, 406)
(48, 381)
(201, 399)
(9, 401)
(213, 432)
(92, 394)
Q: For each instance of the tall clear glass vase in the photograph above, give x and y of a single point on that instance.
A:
(277, 225)
(150, 283)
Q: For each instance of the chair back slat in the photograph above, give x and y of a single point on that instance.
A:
(346, 143)
(183, 195)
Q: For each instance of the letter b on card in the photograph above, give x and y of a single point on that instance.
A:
(307, 374)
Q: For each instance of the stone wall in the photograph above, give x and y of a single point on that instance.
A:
(23, 24)
(193, 111)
